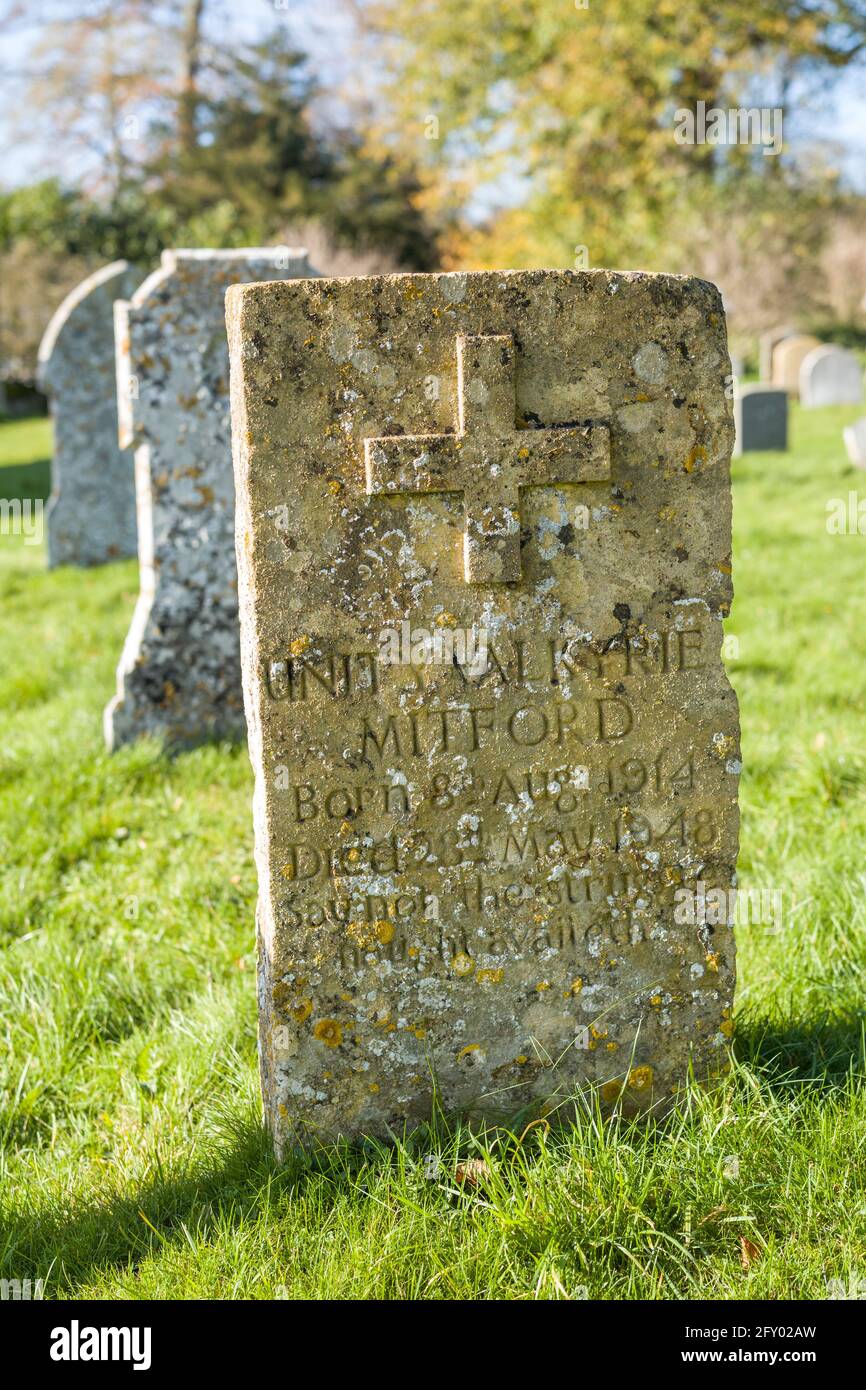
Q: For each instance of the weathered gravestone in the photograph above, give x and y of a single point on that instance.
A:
(760, 418)
(91, 513)
(179, 674)
(855, 442)
(766, 346)
(787, 359)
(485, 875)
(830, 376)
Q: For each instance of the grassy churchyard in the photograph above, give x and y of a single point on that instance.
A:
(133, 1161)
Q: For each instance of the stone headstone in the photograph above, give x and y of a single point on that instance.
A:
(787, 360)
(766, 345)
(831, 376)
(484, 557)
(761, 419)
(179, 674)
(855, 442)
(91, 512)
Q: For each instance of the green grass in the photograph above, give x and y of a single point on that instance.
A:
(133, 1162)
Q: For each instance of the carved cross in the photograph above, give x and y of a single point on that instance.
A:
(488, 459)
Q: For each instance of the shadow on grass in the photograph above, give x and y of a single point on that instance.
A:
(819, 1053)
(238, 1182)
(23, 481)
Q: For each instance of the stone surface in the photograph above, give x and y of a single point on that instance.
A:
(787, 360)
(91, 512)
(760, 418)
(855, 442)
(831, 376)
(469, 865)
(179, 674)
(766, 346)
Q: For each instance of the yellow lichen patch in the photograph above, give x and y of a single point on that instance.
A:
(598, 1032)
(490, 977)
(656, 1000)
(468, 1050)
(288, 871)
(542, 986)
(412, 952)
(365, 934)
(666, 513)
(523, 453)
(299, 645)
(300, 1010)
(345, 827)
(724, 567)
(612, 1046)
(727, 1027)
(576, 986)
(640, 1078)
(374, 1088)
(462, 964)
(353, 855)
(712, 960)
(335, 487)
(611, 1091)
(445, 620)
(329, 1032)
(695, 456)
(521, 1060)
(420, 1033)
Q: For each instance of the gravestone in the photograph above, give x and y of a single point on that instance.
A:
(485, 874)
(91, 512)
(760, 419)
(766, 346)
(179, 673)
(788, 357)
(855, 442)
(831, 376)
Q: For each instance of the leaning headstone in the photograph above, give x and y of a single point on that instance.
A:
(787, 359)
(179, 675)
(855, 442)
(760, 418)
(767, 344)
(91, 512)
(831, 376)
(484, 557)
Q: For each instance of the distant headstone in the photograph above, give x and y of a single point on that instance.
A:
(179, 674)
(761, 419)
(831, 376)
(484, 558)
(766, 345)
(787, 359)
(91, 513)
(855, 442)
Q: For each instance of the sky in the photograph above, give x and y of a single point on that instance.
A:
(320, 26)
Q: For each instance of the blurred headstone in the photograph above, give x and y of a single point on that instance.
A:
(91, 512)
(788, 356)
(831, 376)
(484, 879)
(766, 345)
(760, 418)
(855, 442)
(179, 674)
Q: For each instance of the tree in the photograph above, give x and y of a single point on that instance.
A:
(540, 128)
